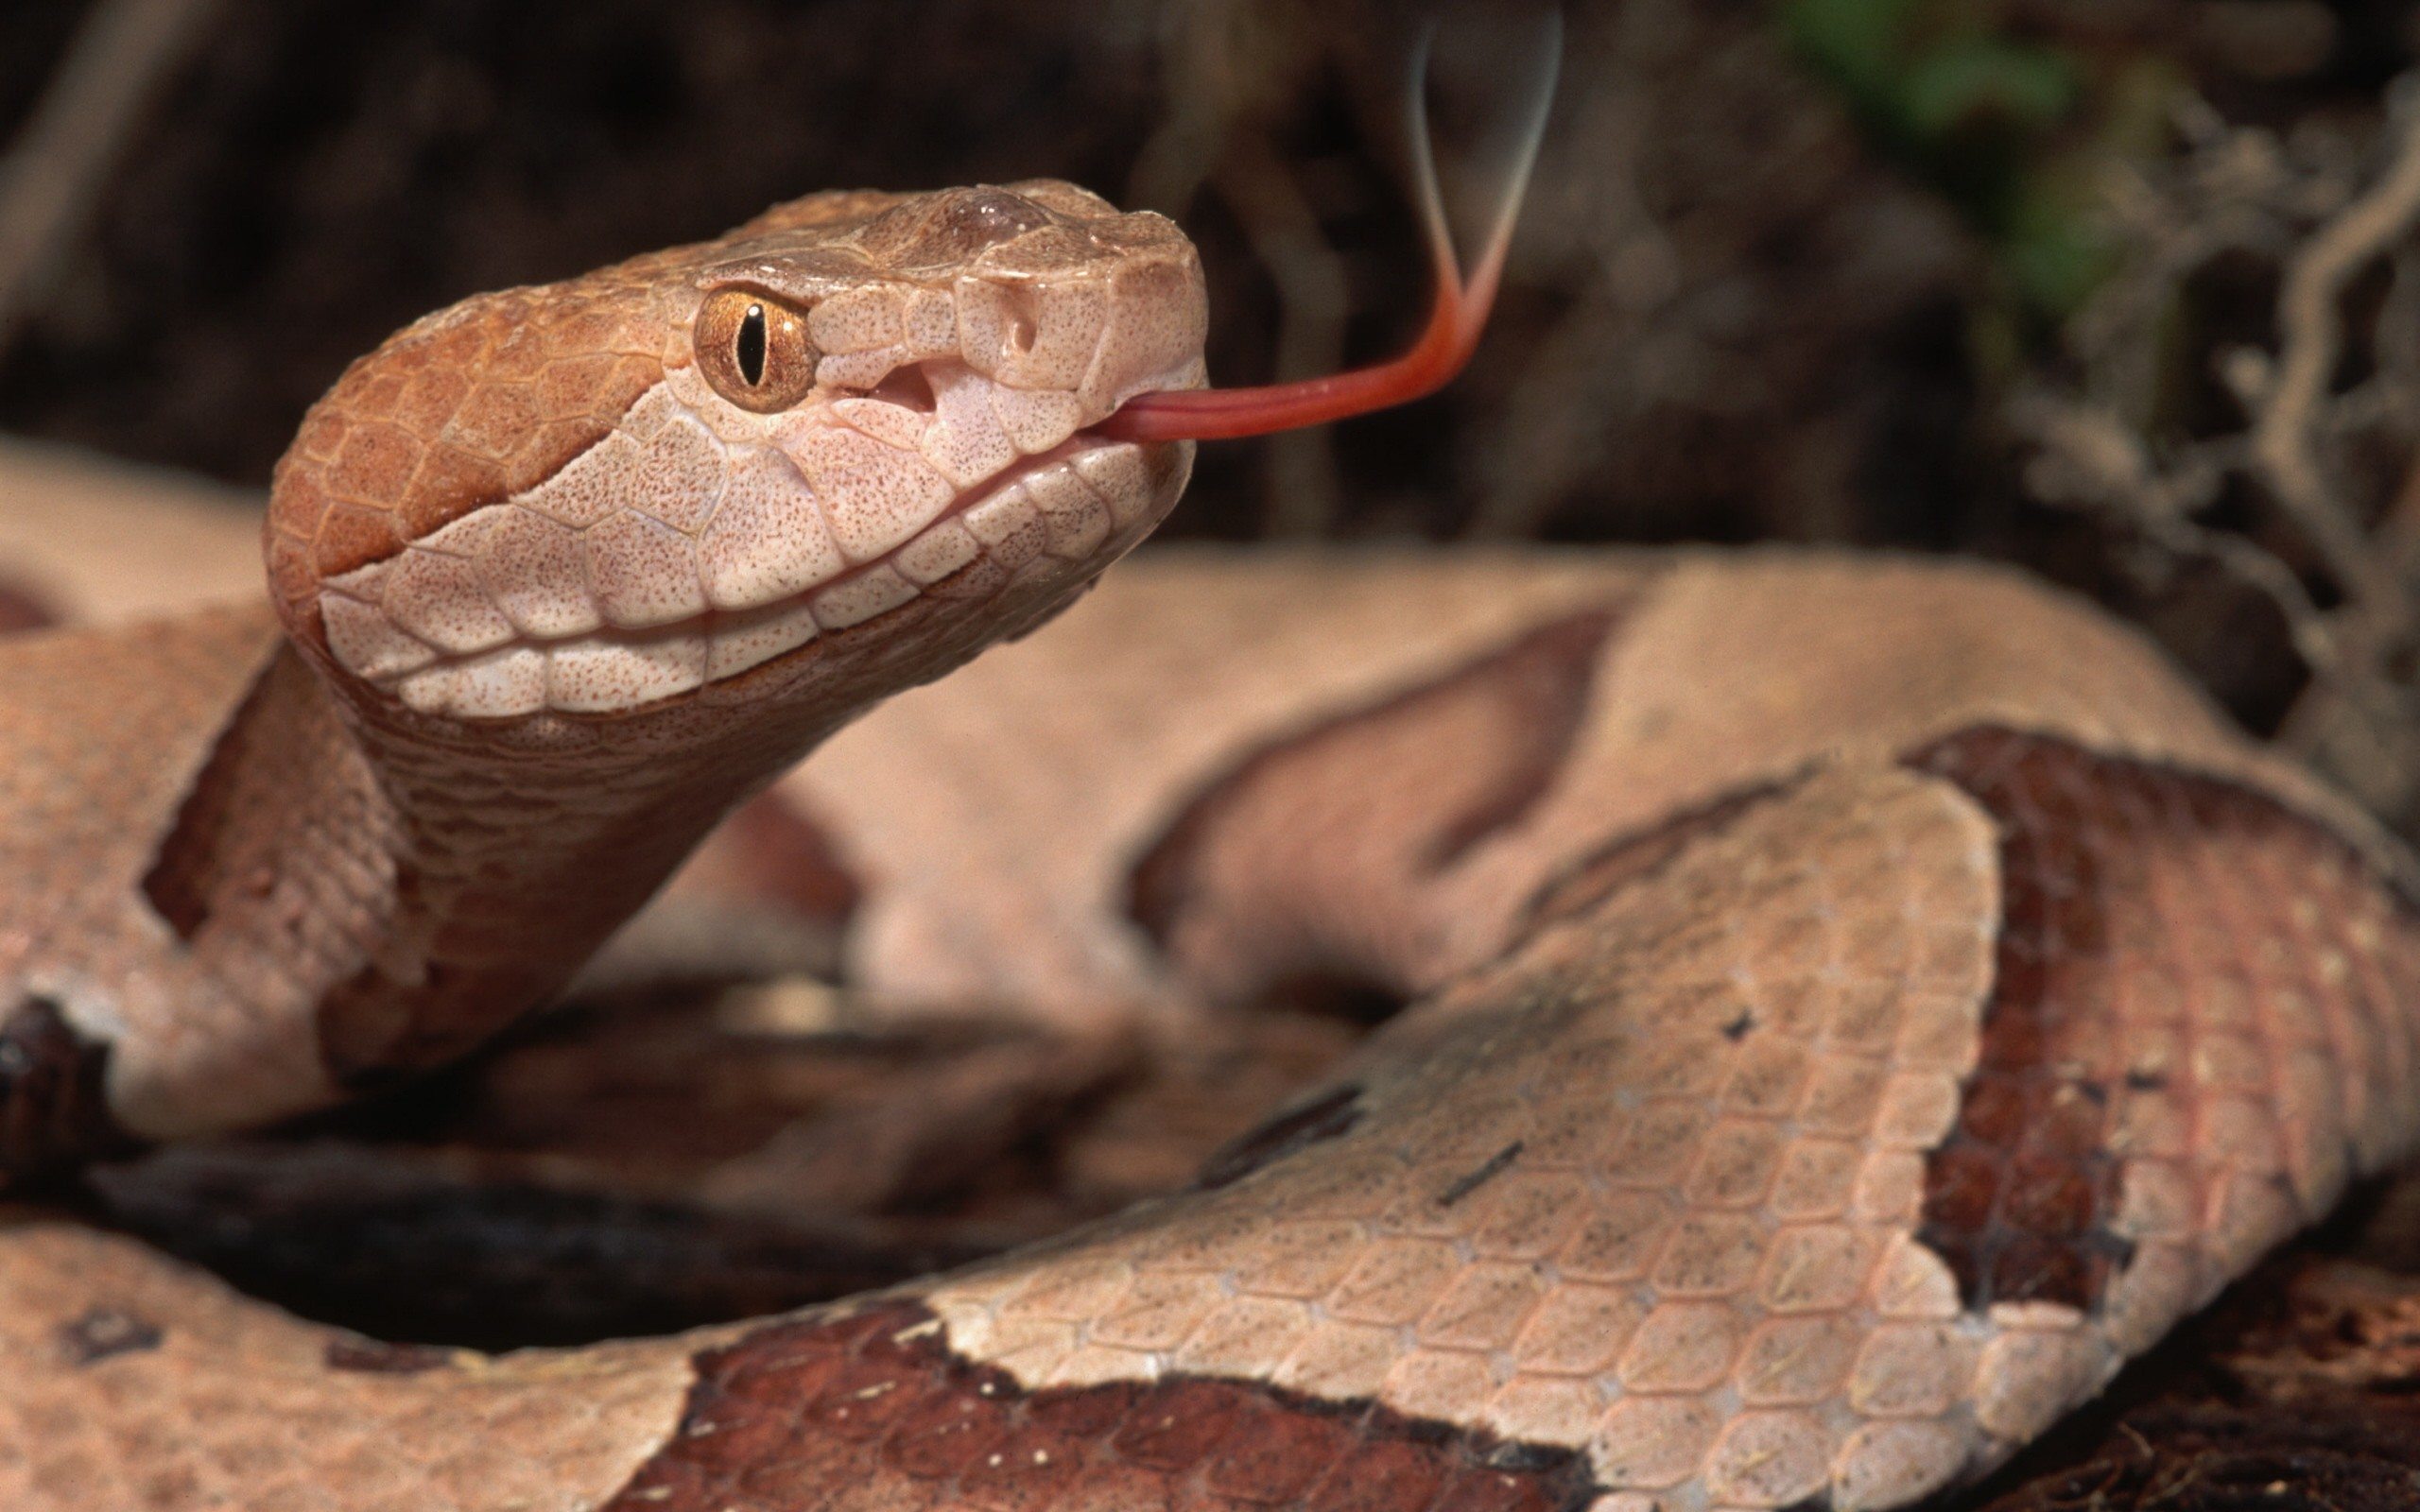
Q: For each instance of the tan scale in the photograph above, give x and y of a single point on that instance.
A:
(1864, 1002)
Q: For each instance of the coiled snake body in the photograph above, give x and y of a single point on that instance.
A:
(1856, 1004)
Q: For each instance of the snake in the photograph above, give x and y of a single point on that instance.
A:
(1851, 1003)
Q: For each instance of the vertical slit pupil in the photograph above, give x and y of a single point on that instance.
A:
(749, 348)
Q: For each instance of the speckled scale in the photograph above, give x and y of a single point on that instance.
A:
(1892, 1004)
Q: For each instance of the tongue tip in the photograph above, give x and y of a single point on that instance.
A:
(1445, 343)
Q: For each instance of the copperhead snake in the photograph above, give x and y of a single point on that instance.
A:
(1856, 1004)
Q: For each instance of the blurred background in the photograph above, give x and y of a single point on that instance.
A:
(2122, 291)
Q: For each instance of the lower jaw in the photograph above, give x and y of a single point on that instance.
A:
(1064, 503)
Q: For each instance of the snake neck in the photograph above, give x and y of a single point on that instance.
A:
(438, 881)
(516, 860)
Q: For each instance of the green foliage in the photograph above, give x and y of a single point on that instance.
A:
(1965, 80)
(2015, 132)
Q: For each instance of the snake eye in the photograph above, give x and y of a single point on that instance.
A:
(753, 349)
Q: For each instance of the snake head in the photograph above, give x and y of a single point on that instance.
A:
(843, 447)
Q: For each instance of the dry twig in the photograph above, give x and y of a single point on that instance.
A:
(2300, 208)
(2310, 325)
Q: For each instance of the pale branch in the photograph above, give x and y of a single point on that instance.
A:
(2087, 459)
(2311, 328)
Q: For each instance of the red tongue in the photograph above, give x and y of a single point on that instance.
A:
(1444, 346)
(1217, 413)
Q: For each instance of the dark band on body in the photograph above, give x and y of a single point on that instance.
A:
(1308, 853)
(877, 1410)
(22, 608)
(54, 1108)
(2095, 963)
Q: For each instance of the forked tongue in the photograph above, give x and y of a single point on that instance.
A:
(1444, 345)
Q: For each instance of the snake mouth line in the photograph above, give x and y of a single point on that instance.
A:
(1063, 503)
